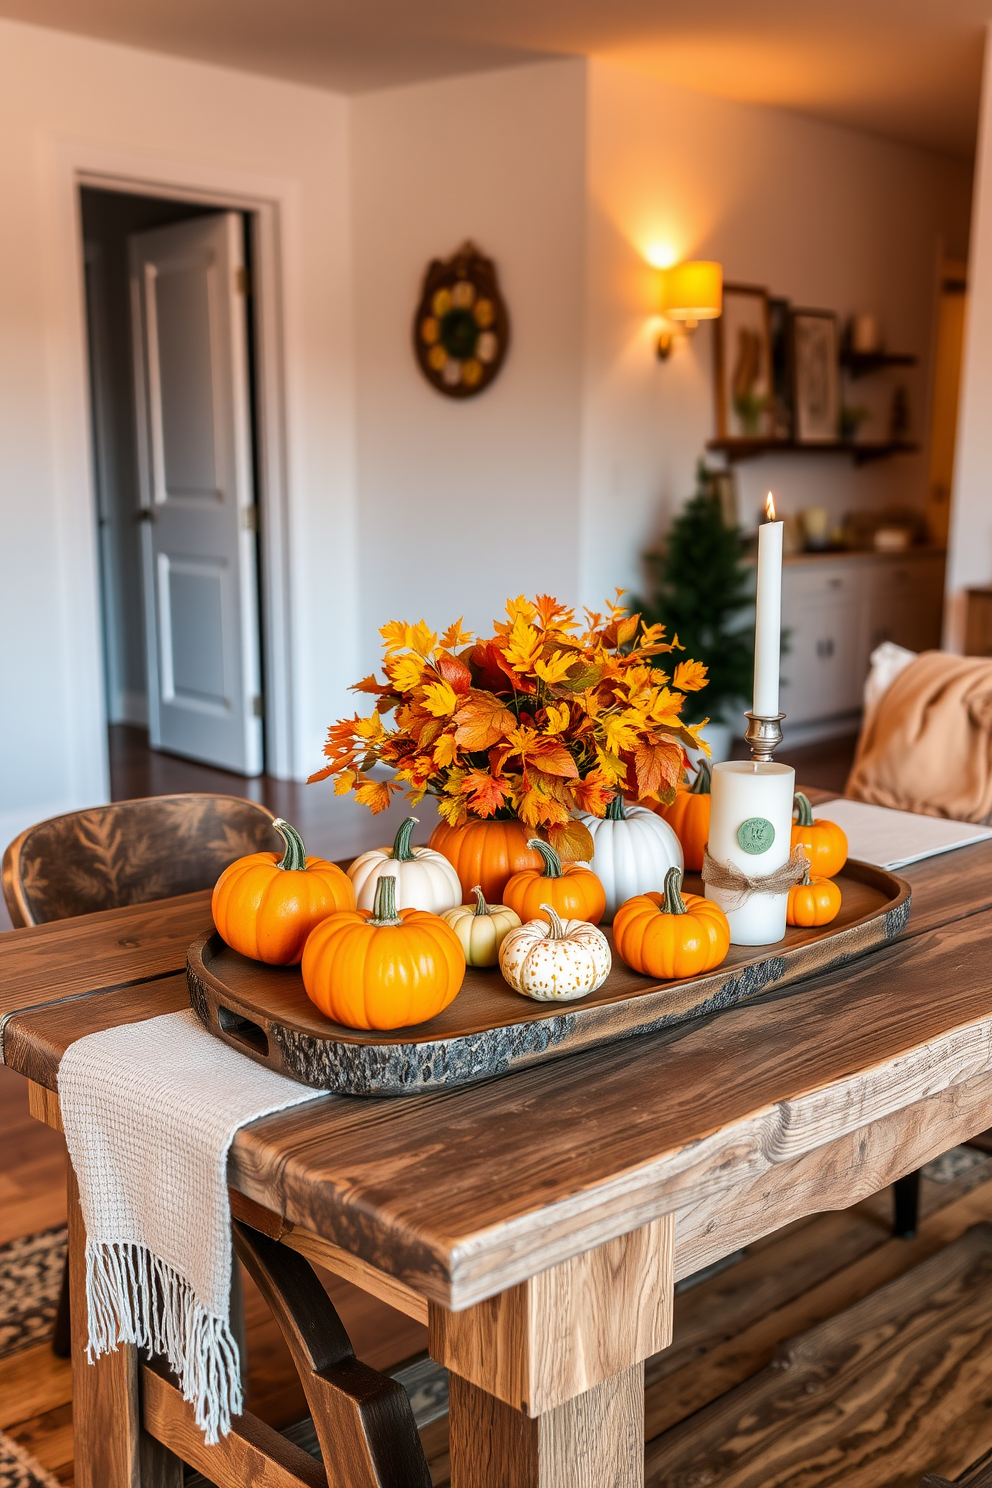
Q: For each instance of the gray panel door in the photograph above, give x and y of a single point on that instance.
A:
(197, 492)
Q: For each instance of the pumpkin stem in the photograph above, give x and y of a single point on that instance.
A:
(384, 903)
(805, 811)
(402, 851)
(557, 931)
(481, 907)
(616, 811)
(674, 903)
(294, 859)
(701, 786)
(552, 862)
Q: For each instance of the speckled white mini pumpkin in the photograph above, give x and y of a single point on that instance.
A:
(556, 961)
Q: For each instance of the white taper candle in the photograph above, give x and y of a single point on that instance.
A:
(768, 615)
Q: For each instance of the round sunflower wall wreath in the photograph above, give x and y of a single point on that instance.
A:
(461, 329)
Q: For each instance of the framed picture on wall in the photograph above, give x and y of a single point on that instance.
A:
(743, 364)
(816, 376)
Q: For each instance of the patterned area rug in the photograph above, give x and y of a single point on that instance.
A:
(30, 1280)
(18, 1469)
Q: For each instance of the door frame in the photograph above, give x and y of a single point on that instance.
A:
(272, 205)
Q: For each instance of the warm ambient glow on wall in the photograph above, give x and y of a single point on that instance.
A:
(690, 292)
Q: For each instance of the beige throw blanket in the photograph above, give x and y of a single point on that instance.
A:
(150, 1111)
(927, 747)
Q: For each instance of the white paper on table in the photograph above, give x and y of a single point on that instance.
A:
(892, 839)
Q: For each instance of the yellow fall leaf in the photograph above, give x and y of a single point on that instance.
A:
(621, 733)
(370, 728)
(440, 699)
(394, 635)
(405, 672)
(421, 638)
(614, 769)
(690, 676)
(375, 794)
(444, 751)
(521, 606)
(558, 718)
(456, 636)
(524, 646)
(554, 669)
(344, 783)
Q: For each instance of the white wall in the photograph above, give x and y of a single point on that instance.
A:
(401, 502)
(969, 550)
(63, 99)
(825, 216)
(465, 502)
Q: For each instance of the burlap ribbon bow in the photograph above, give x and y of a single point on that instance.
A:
(741, 886)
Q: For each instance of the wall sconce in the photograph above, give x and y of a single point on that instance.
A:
(690, 292)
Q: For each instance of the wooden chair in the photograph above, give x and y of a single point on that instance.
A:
(127, 853)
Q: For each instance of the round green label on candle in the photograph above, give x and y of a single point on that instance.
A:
(756, 835)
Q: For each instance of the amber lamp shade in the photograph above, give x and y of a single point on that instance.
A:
(691, 292)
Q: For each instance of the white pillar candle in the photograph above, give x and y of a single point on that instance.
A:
(751, 829)
(768, 615)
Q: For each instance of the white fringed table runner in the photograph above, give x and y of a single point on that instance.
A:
(150, 1111)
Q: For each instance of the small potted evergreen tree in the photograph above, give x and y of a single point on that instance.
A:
(701, 591)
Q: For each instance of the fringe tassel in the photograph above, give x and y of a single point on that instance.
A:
(134, 1297)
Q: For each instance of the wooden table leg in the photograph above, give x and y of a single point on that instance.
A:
(109, 1447)
(547, 1378)
(594, 1440)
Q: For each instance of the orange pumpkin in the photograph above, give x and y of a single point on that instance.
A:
(689, 816)
(813, 901)
(265, 906)
(383, 969)
(573, 891)
(487, 853)
(672, 935)
(822, 841)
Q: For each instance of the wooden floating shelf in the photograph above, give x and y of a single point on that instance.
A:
(862, 454)
(860, 363)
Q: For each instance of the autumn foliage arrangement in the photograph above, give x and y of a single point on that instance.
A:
(547, 716)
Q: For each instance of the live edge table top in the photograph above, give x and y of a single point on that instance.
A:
(725, 1121)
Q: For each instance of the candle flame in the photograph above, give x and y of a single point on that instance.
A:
(770, 507)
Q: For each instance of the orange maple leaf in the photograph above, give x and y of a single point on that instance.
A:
(659, 769)
(369, 684)
(485, 793)
(594, 793)
(455, 636)
(375, 794)
(572, 841)
(553, 758)
(690, 676)
(482, 721)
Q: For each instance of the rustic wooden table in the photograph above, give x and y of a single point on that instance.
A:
(538, 1222)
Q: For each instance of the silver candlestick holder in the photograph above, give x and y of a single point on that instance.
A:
(764, 735)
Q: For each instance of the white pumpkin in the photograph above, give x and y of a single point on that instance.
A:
(634, 849)
(557, 961)
(481, 928)
(424, 878)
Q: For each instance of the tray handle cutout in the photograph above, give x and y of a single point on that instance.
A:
(237, 1026)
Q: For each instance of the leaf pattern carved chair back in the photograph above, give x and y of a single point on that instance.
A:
(129, 853)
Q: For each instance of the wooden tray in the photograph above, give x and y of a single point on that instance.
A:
(489, 1029)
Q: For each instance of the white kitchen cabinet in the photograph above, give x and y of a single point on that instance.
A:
(837, 609)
